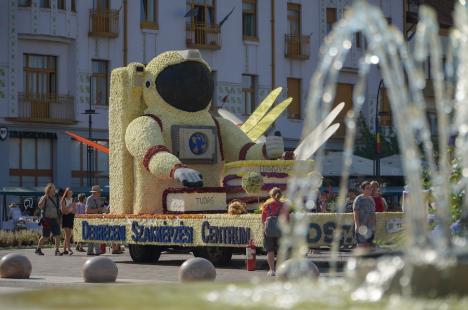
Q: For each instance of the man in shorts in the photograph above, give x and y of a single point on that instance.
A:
(94, 206)
(50, 219)
(364, 216)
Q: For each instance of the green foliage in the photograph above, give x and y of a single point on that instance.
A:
(456, 198)
(252, 182)
(366, 142)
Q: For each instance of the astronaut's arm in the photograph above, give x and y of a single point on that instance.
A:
(145, 142)
(238, 146)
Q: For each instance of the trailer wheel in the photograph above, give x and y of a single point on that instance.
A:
(218, 256)
(144, 253)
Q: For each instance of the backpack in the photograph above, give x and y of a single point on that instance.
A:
(42, 214)
(272, 229)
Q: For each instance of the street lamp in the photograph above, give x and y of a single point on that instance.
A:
(90, 151)
(377, 133)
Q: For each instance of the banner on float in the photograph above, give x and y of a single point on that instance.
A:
(219, 229)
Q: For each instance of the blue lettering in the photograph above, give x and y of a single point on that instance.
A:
(103, 232)
(108, 233)
(328, 229)
(348, 234)
(147, 234)
(85, 230)
(318, 233)
(97, 233)
(235, 238)
(224, 235)
(122, 233)
(137, 231)
(205, 227)
(190, 234)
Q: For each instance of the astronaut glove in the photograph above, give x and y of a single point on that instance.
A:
(274, 146)
(188, 177)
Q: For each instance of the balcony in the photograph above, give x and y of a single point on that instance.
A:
(203, 36)
(104, 23)
(41, 108)
(296, 46)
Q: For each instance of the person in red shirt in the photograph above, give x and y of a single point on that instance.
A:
(272, 207)
(380, 203)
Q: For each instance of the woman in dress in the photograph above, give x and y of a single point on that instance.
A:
(68, 208)
(380, 203)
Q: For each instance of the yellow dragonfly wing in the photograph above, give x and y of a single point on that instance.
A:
(262, 109)
(261, 127)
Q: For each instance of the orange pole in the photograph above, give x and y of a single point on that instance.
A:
(92, 144)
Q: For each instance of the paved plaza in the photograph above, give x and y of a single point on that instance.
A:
(50, 270)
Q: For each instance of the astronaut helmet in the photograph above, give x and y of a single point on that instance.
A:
(180, 79)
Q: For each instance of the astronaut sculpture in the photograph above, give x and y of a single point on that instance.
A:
(162, 134)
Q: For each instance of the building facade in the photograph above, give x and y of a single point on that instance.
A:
(56, 63)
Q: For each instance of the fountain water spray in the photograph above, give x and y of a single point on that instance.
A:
(431, 264)
(404, 79)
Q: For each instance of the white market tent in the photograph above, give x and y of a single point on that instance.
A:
(333, 165)
(391, 166)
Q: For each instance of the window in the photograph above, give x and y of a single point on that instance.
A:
(99, 82)
(61, 5)
(294, 91)
(203, 11)
(44, 4)
(202, 29)
(24, 3)
(148, 14)
(344, 93)
(40, 76)
(249, 91)
(73, 5)
(331, 18)
(31, 161)
(101, 5)
(249, 19)
(79, 165)
(294, 19)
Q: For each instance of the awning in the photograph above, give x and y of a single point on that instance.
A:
(333, 165)
(391, 166)
(21, 191)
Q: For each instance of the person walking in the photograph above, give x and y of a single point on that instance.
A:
(80, 209)
(380, 203)
(68, 208)
(352, 193)
(271, 210)
(15, 214)
(94, 206)
(364, 216)
(50, 216)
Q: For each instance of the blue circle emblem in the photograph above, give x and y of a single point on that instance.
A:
(198, 143)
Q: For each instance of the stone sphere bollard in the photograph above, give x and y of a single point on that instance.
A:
(296, 268)
(15, 266)
(100, 270)
(197, 269)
